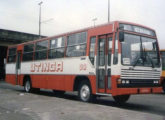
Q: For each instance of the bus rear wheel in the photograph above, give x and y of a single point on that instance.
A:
(121, 99)
(84, 92)
(28, 86)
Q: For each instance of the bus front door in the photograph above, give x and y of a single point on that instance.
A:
(104, 63)
(18, 67)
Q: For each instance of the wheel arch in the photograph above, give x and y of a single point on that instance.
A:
(78, 80)
(163, 80)
(163, 84)
(25, 78)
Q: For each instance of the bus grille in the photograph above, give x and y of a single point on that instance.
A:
(139, 78)
(139, 74)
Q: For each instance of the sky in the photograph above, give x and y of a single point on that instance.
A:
(60, 16)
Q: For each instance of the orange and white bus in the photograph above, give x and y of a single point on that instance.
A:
(115, 59)
(162, 52)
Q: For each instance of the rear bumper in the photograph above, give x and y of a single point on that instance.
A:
(129, 91)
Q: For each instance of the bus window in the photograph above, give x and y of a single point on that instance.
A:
(102, 52)
(41, 50)
(12, 55)
(109, 50)
(163, 60)
(115, 58)
(57, 47)
(92, 50)
(28, 52)
(76, 44)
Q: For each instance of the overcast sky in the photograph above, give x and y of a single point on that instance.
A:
(69, 15)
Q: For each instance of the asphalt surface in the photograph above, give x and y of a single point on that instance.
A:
(15, 104)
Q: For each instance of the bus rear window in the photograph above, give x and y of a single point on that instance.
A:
(12, 55)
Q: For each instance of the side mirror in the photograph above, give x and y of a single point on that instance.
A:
(121, 36)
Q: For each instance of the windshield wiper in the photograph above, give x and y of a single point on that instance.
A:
(141, 56)
(138, 58)
(144, 59)
(153, 66)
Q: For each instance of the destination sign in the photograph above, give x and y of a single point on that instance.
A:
(137, 29)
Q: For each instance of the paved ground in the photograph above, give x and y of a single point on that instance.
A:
(17, 105)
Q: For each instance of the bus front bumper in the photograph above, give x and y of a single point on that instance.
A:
(129, 91)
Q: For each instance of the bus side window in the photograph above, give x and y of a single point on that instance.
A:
(57, 48)
(41, 50)
(28, 52)
(92, 50)
(76, 45)
(12, 55)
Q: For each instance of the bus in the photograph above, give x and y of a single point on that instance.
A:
(116, 59)
(162, 52)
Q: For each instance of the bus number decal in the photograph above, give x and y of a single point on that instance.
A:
(83, 67)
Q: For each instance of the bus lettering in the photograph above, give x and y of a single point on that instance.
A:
(47, 67)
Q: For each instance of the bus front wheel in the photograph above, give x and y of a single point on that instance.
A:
(121, 99)
(164, 86)
(84, 92)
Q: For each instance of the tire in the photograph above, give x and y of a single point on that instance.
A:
(59, 92)
(28, 86)
(164, 86)
(121, 99)
(85, 92)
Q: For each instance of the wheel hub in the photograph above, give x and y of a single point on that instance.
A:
(27, 86)
(85, 92)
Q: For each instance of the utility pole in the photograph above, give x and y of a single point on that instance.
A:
(40, 18)
(94, 21)
(108, 11)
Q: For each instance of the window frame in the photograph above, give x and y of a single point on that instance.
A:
(116, 49)
(94, 38)
(77, 44)
(46, 50)
(13, 55)
(56, 48)
(28, 52)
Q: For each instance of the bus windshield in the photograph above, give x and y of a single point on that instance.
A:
(140, 51)
(163, 59)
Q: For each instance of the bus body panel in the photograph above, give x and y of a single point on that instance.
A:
(10, 78)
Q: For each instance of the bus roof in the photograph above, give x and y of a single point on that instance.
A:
(81, 30)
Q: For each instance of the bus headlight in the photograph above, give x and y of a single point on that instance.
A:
(156, 82)
(127, 82)
(119, 81)
(123, 81)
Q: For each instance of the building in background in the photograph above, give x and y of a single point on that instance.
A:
(9, 37)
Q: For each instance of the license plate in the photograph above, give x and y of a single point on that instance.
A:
(145, 90)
